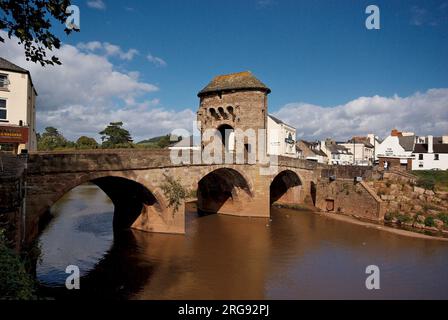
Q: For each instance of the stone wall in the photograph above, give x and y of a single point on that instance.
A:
(345, 196)
(347, 172)
(412, 206)
(11, 198)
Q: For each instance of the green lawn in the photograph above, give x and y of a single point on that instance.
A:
(440, 178)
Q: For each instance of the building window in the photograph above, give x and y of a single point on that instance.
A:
(420, 165)
(436, 156)
(4, 82)
(3, 110)
(420, 157)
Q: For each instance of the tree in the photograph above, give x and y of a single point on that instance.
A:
(86, 143)
(30, 22)
(51, 139)
(114, 136)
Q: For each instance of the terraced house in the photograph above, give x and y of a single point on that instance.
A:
(17, 109)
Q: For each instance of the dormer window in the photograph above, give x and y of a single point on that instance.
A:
(4, 82)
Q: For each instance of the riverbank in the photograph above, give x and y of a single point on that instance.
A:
(367, 224)
(402, 232)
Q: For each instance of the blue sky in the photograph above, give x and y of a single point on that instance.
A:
(314, 51)
(143, 62)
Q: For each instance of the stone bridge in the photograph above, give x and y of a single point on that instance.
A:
(133, 180)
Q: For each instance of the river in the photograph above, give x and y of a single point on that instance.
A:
(294, 255)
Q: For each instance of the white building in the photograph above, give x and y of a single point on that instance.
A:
(430, 153)
(361, 149)
(281, 138)
(397, 147)
(337, 154)
(17, 108)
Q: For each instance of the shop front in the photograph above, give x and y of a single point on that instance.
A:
(13, 138)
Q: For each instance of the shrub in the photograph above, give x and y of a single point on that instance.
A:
(402, 218)
(426, 183)
(174, 192)
(444, 217)
(429, 222)
(15, 282)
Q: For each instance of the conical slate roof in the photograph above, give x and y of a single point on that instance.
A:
(234, 81)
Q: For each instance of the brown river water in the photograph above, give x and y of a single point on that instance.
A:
(293, 255)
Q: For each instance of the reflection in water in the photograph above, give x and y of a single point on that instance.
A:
(297, 255)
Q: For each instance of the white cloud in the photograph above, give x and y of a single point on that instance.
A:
(265, 3)
(159, 62)
(422, 113)
(86, 92)
(107, 49)
(96, 4)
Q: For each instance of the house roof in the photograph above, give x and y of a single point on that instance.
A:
(407, 142)
(278, 121)
(334, 148)
(437, 148)
(9, 66)
(312, 147)
(234, 81)
(363, 140)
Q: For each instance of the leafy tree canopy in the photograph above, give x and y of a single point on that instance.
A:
(86, 143)
(116, 136)
(51, 139)
(30, 22)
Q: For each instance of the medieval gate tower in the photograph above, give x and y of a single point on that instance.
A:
(231, 102)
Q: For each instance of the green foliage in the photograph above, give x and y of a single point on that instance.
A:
(15, 282)
(439, 178)
(426, 183)
(31, 21)
(401, 218)
(193, 193)
(429, 221)
(51, 139)
(160, 142)
(86, 143)
(444, 217)
(114, 136)
(174, 192)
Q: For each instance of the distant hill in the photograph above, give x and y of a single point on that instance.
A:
(157, 142)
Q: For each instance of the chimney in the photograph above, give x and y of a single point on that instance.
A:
(430, 144)
(395, 133)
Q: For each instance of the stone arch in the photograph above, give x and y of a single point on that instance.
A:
(223, 190)
(133, 199)
(286, 187)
